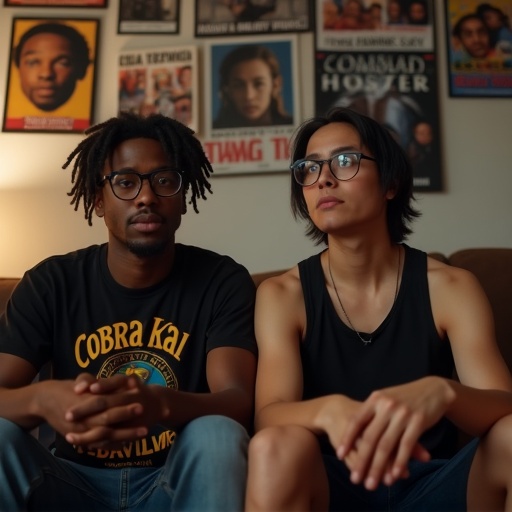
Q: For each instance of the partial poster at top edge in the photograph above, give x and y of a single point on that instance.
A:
(245, 17)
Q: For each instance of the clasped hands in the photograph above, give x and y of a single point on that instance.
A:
(101, 413)
(379, 436)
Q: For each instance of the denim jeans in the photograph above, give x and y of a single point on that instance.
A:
(205, 470)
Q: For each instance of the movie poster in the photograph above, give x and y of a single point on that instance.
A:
(253, 104)
(160, 80)
(479, 39)
(243, 17)
(45, 93)
(379, 59)
(399, 90)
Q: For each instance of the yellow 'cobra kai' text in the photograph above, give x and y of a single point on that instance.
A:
(164, 336)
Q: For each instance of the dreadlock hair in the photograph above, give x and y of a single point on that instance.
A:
(180, 144)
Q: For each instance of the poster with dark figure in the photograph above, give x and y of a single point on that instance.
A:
(148, 17)
(397, 89)
(51, 78)
(243, 17)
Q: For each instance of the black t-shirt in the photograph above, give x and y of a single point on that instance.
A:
(68, 309)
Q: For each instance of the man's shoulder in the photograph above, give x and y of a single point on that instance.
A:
(70, 259)
(196, 255)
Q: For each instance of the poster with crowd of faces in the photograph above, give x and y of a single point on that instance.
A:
(380, 60)
(244, 17)
(252, 103)
(479, 38)
(50, 86)
(160, 80)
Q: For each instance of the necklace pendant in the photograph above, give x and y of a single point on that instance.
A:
(366, 342)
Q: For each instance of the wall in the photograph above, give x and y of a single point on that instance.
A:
(247, 217)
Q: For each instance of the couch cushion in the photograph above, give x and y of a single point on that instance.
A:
(493, 268)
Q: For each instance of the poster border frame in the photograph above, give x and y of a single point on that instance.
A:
(57, 4)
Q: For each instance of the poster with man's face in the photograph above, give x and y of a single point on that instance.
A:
(51, 75)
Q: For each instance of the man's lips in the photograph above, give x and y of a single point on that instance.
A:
(46, 91)
(327, 202)
(146, 222)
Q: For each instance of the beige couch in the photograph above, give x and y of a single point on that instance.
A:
(492, 266)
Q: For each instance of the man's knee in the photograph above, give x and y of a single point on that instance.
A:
(215, 436)
(12, 435)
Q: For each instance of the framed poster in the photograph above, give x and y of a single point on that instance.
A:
(252, 109)
(148, 17)
(479, 39)
(56, 3)
(160, 80)
(381, 60)
(242, 17)
(51, 75)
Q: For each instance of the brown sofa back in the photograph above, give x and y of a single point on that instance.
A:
(492, 267)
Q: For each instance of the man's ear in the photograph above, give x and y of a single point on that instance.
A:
(390, 194)
(98, 204)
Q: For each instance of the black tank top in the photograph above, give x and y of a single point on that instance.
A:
(405, 347)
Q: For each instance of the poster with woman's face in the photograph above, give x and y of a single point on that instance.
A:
(51, 75)
(252, 107)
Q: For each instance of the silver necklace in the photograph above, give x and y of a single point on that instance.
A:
(369, 340)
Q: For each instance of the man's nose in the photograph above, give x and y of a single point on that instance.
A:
(325, 177)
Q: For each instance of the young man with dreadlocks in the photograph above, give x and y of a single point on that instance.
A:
(355, 400)
(151, 344)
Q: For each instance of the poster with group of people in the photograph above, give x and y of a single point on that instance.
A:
(479, 38)
(160, 80)
(379, 59)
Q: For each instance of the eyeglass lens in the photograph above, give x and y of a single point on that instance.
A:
(163, 183)
(343, 166)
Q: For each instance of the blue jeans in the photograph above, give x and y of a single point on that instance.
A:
(205, 470)
(439, 485)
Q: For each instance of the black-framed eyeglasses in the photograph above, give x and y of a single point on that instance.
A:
(126, 185)
(343, 166)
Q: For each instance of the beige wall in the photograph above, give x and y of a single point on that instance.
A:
(247, 217)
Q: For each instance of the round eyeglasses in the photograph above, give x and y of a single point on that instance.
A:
(126, 185)
(343, 166)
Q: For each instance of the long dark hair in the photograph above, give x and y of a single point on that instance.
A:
(395, 171)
